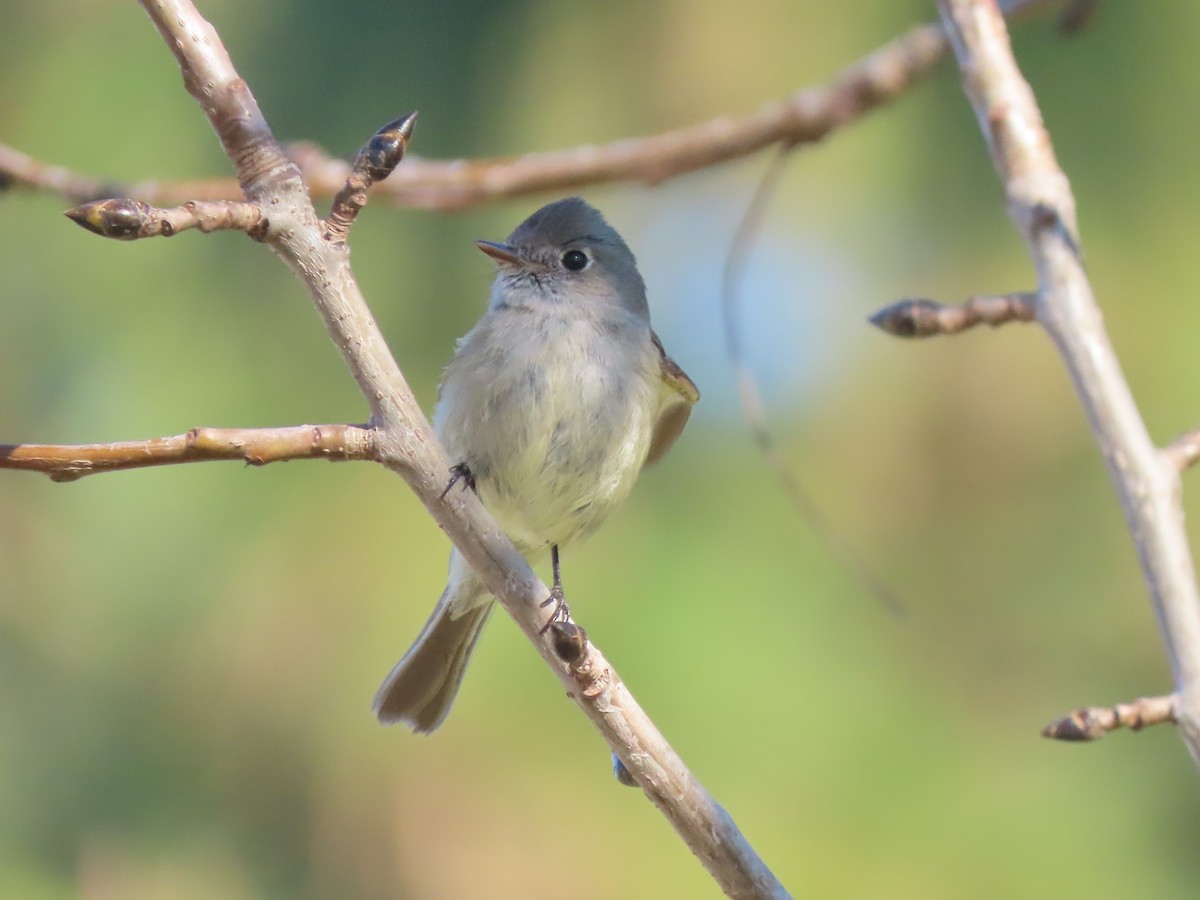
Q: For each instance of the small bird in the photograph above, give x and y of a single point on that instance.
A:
(551, 406)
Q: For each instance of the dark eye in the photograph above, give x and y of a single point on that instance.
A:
(575, 260)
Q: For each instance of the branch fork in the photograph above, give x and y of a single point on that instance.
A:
(129, 219)
(398, 434)
(1042, 208)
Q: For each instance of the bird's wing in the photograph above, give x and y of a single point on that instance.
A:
(679, 396)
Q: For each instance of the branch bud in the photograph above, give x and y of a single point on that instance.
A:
(386, 148)
(118, 219)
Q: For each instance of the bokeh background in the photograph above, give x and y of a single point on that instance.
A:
(187, 655)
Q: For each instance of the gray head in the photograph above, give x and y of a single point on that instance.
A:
(566, 252)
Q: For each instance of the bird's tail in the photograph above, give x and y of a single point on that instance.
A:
(422, 686)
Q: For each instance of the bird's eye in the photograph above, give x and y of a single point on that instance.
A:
(575, 260)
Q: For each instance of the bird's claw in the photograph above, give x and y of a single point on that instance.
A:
(461, 472)
(560, 613)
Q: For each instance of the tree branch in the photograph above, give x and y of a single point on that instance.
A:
(1184, 451)
(398, 433)
(917, 318)
(807, 116)
(253, 446)
(1041, 205)
(404, 442)
(129, 220)
(1091, 723)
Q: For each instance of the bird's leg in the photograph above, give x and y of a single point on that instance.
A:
(461, 472)
(562, 612)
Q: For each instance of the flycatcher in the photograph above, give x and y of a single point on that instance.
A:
(551, 406)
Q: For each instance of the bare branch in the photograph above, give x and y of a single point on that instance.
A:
(1042, 207)
(1184, 451)
(406, 444)
(806, 117)
(1090, 723)
(917, 318)
(253, 446)
(129, 220)
(20, 170)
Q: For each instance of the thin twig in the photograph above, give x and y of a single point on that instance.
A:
(1042, 207)
(406, 444)
(375, 161)
(129, 220)
(919, 318)
(751, 399)
(253, 446)
(1090, 723)
(807, 116)
(1184, 451)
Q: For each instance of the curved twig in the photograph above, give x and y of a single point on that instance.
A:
(801, 500)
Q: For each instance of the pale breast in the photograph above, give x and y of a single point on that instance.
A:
(553, 415)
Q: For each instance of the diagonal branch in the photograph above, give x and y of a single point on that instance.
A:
(1042, 207)
(406, 444)
(807, 116)
(253, 446)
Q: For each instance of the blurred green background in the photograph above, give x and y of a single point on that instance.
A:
(187, 655)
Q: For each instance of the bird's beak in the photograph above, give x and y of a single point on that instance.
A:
(501, 253)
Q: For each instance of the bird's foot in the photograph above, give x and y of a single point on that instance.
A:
(561, 612)
(461, 472)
